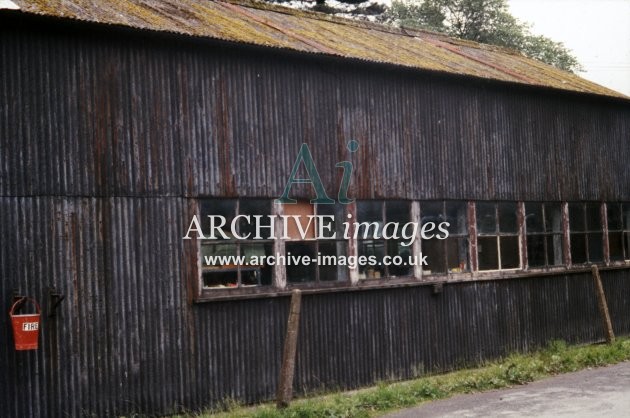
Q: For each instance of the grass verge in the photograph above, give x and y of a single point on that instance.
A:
(513, 370)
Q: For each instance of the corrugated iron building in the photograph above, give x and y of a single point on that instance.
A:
(119, 121)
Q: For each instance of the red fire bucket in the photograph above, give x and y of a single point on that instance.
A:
(25, 326)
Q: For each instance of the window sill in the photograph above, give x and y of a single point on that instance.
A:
(218, 295)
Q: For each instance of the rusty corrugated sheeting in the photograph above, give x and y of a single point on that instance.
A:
(107, 140)
(101, 116)
(280, 27)
(126, 340)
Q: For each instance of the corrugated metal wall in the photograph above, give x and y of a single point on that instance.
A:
(106, 141)
(101, 115)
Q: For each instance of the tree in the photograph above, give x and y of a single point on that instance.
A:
(356, 9)
(485, 21)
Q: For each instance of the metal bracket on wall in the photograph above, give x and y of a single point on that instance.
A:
(54, 299)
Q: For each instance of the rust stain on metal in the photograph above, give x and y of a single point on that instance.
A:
(286, 31)
(224, 138)
(503, 69)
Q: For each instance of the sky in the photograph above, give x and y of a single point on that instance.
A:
(597, 32)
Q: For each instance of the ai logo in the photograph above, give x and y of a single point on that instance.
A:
(305, 157)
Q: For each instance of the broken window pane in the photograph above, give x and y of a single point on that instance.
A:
(534, 218)
(613, 213)
(553, 217)
(434, 250)
(486, 218)
(397, 211)
(328, 252)
(370, 248)
(432, 212)
(218, 207)
(615, 243)
(595, 248)
(457, 217)
(578, 248)
(536, 250)
(593, 217)
(457, 254)
(576, 217)
(510, 258)
(488, 253)
(300, 272)
(626, 216)
(370, 211)
(508, 217)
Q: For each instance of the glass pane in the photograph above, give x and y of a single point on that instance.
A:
(576, 217)
(220, 278)
(553, 217)
(615, 242)
(370, 248)
(457, 254)
(299, 272)
(397, 211)
(613, 213)
(486, 218)
(433, 249)
(578, 248)
(432, 212)
(507, 217)
(370, 210)
(595, 248)
(536, 251)
(254, 207)
(217, 207)
(534, 218)
(626, 216)
(554, 250)
(593, 217)
(626, 245)
(216, 255)
(328, 270)
(218, 271)
(338, 212)
(394, 249)
(487, 253)
(510, 258)
(457, 217)
(258, 271)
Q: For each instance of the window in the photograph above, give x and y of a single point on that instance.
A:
(506, 234)
(497, 236)
(450, 254)
(543, 224)
(618, 215)
(586, 233)
(324, 252)
(372, 216)
(221, 265)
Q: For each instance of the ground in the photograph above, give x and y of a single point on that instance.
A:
(596, 392)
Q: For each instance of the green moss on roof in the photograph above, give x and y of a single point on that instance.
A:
(264, 24)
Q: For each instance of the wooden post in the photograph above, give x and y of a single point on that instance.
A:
(287, 368)
(603, 306)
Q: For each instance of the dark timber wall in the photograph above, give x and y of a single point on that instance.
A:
(107, 139)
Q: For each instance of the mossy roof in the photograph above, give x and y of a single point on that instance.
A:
(273, 26)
